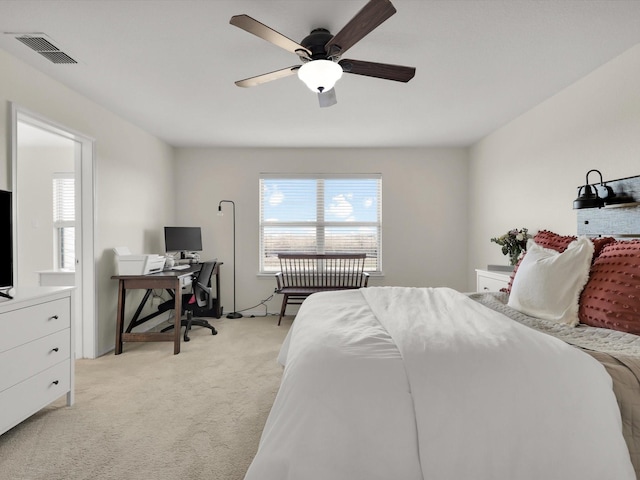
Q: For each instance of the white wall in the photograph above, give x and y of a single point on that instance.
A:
(424, 211)
(527, 173)
(134, 185)
(35, 199)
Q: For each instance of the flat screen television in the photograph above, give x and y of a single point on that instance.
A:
(182, 239)
(6, 240)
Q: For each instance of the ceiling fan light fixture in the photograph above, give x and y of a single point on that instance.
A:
(320, 75)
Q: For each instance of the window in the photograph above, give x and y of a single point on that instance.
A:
(320, 214)
(64, 221)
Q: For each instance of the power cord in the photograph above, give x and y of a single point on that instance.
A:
(159, 296)
(262, 302)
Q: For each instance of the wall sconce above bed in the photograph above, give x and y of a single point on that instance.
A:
(620, 217)
(599, 195)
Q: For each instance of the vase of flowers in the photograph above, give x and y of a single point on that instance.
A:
(514, 243)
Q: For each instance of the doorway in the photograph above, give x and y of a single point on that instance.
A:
(53, 164)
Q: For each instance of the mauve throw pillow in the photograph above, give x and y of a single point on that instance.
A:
(611, 297)
(599, 243)
(547, 239)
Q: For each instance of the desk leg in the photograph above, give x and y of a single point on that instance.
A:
(120, 317)
(177, 322)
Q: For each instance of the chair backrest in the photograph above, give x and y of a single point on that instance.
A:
(322, 270)
(202, 286)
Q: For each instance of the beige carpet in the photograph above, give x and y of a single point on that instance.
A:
(149, 414)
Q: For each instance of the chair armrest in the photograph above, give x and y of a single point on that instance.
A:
(209, 295)
(365, 279)
(279, 280)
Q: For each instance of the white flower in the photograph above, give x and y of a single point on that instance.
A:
(519, 237)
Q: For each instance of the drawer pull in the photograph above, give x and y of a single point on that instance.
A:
(55, 317)
(55, 382)
(54, 349)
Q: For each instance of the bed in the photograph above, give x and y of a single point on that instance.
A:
(538, 382)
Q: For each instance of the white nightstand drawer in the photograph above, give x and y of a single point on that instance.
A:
(31, 358)
(490, 284)
(26, 324)
(491, 281)
(26, 398)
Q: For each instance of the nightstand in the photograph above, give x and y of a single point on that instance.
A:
(491, 280)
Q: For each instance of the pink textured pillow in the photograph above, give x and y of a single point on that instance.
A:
(611, 297)
(599, 243)
(545, 239)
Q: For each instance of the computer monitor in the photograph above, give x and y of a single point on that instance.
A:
(182, 239)
(6, 239)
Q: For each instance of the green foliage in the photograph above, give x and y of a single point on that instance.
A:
(513, 243)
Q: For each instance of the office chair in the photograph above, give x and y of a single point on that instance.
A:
(202, 297)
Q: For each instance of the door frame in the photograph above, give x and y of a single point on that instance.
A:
(86, 305)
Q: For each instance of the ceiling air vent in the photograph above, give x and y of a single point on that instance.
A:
(45, 48)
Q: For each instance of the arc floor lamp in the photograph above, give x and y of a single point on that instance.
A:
(233, 314)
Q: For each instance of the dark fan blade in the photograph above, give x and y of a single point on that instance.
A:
(398, 73)
(365, 21)
(253, 26)
(327, 99)
(267, 77)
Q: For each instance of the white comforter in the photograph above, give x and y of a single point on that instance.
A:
(406, 383)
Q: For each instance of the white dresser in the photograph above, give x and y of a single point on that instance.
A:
(36, 352)
(491, 280)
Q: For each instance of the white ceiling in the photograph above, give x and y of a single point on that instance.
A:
(168, 66)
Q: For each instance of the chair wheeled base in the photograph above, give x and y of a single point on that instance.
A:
(188, 322)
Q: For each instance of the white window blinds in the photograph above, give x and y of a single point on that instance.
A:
(64, 215)
(320, 214)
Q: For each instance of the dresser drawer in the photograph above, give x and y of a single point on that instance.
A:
(27, 360)
(29, 396)
(26, 324)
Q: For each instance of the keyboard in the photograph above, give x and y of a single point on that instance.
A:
(180, 267)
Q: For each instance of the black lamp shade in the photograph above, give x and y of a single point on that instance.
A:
(588, 199)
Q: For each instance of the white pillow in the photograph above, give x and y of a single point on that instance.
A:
(547, 284)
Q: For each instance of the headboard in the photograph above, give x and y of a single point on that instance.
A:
(620, 221)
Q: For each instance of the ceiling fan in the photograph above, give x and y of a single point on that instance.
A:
(320, 52)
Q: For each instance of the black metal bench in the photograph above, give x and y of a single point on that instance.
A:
(304, 274)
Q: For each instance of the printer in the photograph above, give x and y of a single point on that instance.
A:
(144, 264)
